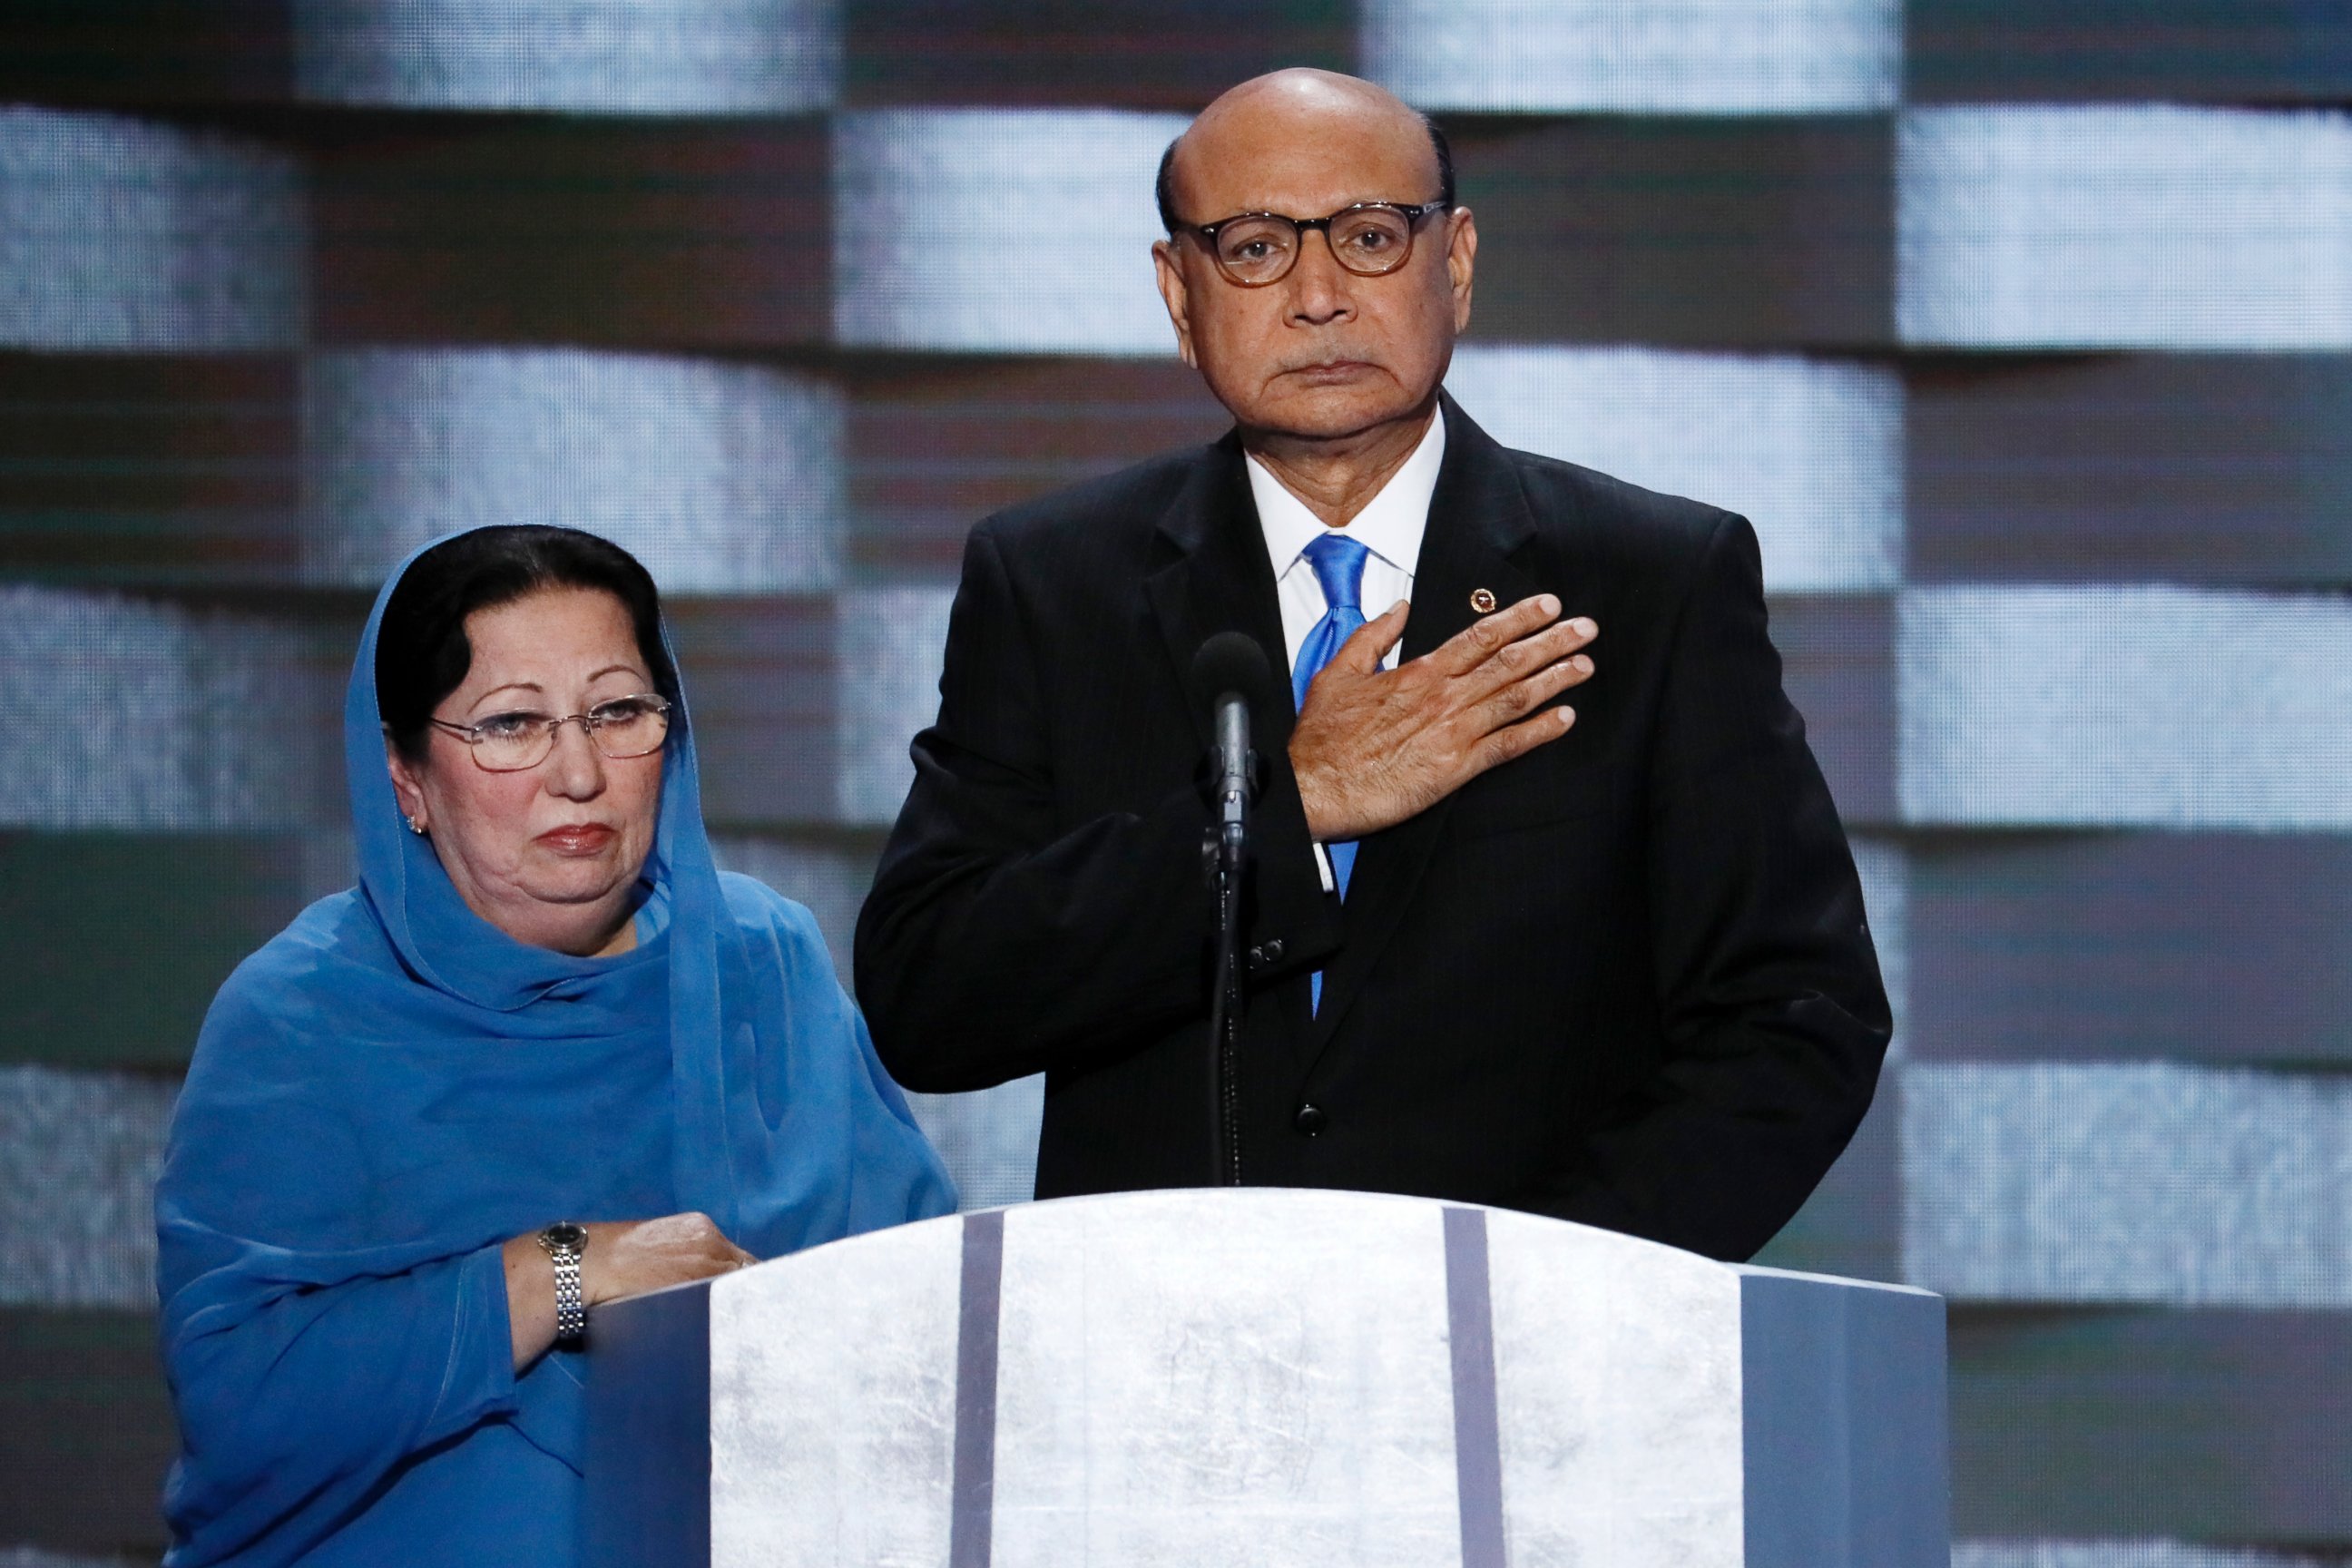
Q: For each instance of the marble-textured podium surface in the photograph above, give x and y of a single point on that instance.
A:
(1253, 1376)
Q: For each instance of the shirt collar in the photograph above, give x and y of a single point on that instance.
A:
(1390, 526)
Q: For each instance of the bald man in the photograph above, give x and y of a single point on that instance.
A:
(1549, 907)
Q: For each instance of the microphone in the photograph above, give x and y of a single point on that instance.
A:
(1229, 674)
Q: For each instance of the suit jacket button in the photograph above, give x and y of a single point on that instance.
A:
(1310, 1120)
(1273, 951)
(1257, 955)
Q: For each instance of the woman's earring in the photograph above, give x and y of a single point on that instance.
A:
(416, 825)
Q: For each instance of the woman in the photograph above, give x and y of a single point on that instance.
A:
(541, 1005)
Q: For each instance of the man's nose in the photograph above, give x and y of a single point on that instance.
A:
(1319, 284)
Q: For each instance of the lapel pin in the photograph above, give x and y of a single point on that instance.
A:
(1482, 600)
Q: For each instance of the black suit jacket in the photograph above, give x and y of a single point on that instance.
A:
(1624, 980)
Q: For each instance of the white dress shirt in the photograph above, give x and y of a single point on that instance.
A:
(1389, 527)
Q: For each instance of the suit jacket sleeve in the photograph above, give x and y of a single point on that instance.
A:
(1773, 1017)
(999, 942)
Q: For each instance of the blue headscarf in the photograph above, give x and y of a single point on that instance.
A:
(392, 1087)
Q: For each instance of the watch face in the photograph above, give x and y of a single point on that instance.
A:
(571, 1238)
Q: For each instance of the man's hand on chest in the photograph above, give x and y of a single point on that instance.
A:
(1373, 747)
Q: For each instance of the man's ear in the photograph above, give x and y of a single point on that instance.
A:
(1170, 274)
(406, 788)
(1461, 261)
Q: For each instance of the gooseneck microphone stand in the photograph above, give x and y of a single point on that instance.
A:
(1229, 673)
(1230, 850)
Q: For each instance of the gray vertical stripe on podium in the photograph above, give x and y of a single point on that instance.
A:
(650, 1432)
(972, 1522)
(1478, 1444)
(1844, 1398)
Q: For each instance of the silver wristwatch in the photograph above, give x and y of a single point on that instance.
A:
(566, 1242)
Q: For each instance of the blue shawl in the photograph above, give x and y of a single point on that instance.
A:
(390, 1089)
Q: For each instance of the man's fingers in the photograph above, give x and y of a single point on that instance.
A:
(1488, 636)
(1520, 697)
(1369, 643)
(1517, 740)
(1528, 657)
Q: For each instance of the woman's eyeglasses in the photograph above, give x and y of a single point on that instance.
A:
(509, 743)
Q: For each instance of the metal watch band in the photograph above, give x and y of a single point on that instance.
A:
(570, 1313)
(565, 1244)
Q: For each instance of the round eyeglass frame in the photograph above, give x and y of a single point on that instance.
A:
(1412, 212)
(590, 725)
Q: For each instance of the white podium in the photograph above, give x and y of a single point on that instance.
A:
(1259, 1376)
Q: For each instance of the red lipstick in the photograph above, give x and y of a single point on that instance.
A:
(577, 838)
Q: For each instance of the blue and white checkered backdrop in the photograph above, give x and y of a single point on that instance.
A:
(2022, 330)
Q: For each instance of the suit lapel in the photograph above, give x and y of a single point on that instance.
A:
(1214, 578)
(1478, 524)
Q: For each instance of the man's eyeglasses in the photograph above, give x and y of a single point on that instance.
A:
(1254, 249)
(509, 743)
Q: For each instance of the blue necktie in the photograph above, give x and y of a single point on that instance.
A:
(1339, 563)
